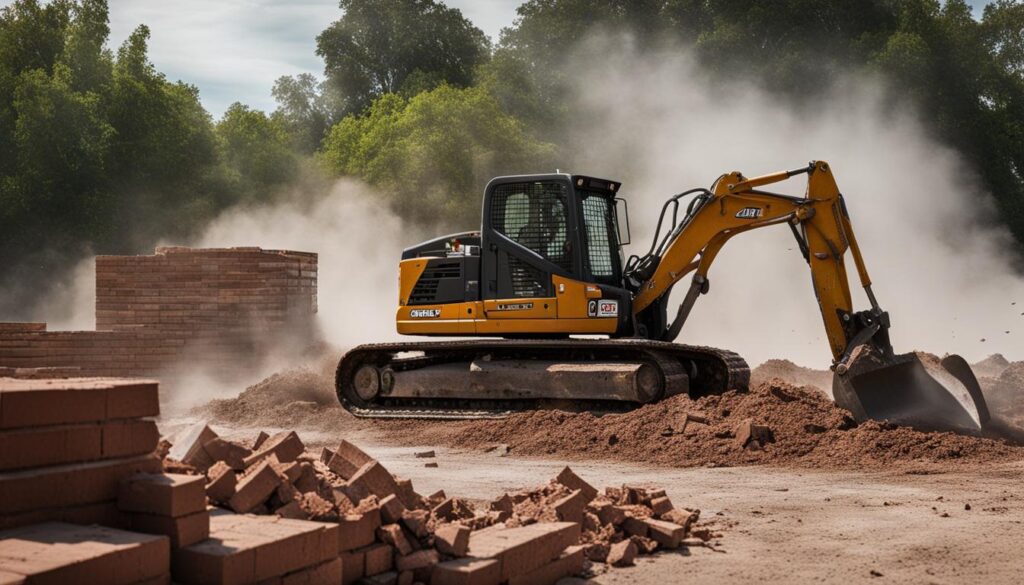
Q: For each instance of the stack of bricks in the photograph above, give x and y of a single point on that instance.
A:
(173, 505)
(66, 444)
(211, 307)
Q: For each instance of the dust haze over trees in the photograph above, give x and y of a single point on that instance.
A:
(101, 153)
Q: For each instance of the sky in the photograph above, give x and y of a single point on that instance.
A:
(233, 50)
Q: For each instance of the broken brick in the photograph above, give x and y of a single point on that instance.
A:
(229, 452)
(357, 530)
(452, 539)
(286, 446)
(391, 509)
(254, 488)
(221, 482)
(347, 460)
(570, 507)
(394, 535)
(622, 554)
(574, 482)
(667, 534)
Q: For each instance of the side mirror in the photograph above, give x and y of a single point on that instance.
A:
(622, 218)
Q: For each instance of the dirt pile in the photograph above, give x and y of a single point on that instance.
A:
(791, 373)
(300, 397)
(773, 423)
(1004, 392)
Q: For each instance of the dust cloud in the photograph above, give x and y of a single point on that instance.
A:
(938, 265)
(359, 241)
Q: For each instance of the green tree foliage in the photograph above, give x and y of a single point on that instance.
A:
(432, 154)
(99, 152)
(965, 75)
(380, 46)
(307, 108)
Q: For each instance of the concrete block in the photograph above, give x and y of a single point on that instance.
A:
(165, 494)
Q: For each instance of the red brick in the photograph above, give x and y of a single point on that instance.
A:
(188, 446)
(68, 485)
(666, 534)
(247, 549)
(227, 451)
(347, 459)
(353, 566)
(452, 539)
(468, 571)
(56, 552)
(254, 488)
(570, 508)
(622, 553)
(130, 437)
(183, 530)
(357, 530)
(421, 563)
(574, 482)
(133, 399)
(379, 558)
(285, 445)
(103, 513)
(221, 482)
(635, 527)
(165, 494)
(394, 535)
(391, 509)
(568, 563)
(327, 573)
(661, 505)
(373, 479)
(525, 548)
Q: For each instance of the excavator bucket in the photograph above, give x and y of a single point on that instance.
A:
(912, 390)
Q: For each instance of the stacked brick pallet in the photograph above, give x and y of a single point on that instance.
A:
(65, 445)
(211, 307)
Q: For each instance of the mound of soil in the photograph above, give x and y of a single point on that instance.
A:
(298, 397)
(1005, 393)
(804, 427)
(991, 367)
(793, 374)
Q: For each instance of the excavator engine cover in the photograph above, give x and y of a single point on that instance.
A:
(912, 390)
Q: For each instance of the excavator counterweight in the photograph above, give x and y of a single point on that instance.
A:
(547, 264)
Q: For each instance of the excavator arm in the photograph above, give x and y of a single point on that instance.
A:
(870, 380)
(821, 225)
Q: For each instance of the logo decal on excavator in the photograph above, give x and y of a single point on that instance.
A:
(425, 313)
(515, 307)
(749, 213)
(603, 308)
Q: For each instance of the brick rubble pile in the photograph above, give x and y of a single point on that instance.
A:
(92, 496)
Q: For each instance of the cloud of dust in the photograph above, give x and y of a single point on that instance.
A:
(938, 266)
(359, 242)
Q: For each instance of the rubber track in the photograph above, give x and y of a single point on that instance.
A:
(727, 371)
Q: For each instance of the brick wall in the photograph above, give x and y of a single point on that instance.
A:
(179, 309)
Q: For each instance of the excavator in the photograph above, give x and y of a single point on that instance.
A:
(560, 318)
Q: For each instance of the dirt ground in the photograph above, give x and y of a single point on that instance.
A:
(825, 502)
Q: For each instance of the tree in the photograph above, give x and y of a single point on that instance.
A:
(307, 109)
(432, 155)
(257, 150)
(379, 45)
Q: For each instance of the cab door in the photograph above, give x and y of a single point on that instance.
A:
(529, 236)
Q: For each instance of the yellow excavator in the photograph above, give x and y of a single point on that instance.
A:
(547, 264)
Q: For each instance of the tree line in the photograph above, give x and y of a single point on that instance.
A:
(101, 153)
